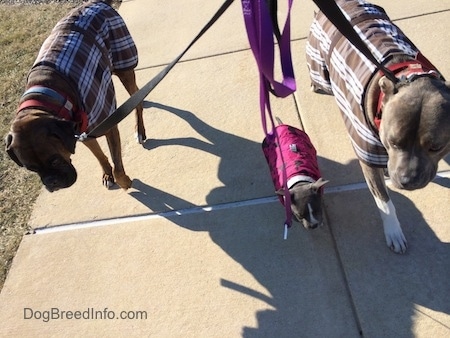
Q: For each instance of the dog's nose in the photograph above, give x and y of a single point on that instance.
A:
(52, 183)
(313, 225)
(404, 180)
(310, 225)
(409, 183)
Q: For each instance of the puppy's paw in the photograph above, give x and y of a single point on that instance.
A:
(395, 239)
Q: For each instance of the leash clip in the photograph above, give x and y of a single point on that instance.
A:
(82, 137)
(286, 226)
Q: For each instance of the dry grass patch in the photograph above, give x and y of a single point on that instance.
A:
(23, 28)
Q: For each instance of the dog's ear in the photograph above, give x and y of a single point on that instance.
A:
(10, 150)
(319, 184)
(65, 131)
(280, 192)
(387, 87)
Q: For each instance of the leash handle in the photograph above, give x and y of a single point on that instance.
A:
(338, 19)
(133, 101)
(260, 32)
(261, 25)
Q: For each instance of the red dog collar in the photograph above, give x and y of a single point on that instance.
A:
(55, 103)
(407, 71)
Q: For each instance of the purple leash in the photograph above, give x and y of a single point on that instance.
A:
(260, 31)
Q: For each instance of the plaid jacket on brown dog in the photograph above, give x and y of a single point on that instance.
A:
(86, 47)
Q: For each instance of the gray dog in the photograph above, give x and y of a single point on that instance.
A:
(404, 126)
(290, 152)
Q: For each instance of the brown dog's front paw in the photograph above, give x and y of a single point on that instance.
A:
(123, 181)
(108, 181)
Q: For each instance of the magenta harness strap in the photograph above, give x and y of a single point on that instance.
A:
(260, 33)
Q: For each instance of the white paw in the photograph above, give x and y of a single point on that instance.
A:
(108, 181)
(139, 138)
(395, 239)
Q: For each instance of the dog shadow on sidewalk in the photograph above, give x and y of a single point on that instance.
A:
(388, 290)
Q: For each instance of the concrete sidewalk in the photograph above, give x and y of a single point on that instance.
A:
(194, 248)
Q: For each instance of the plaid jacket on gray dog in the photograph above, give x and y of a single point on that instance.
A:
(338, 68)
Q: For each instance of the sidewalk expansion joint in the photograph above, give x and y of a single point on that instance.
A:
(209, 56)
(200, 209)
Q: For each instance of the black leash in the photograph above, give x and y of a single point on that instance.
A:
(328, 7)
(335, 15)
(129, 105)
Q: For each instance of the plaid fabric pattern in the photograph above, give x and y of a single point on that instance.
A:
(87, 46)
(338, 68)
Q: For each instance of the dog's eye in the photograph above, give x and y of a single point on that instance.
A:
(436, 148)
(56, 162)
(394, 145)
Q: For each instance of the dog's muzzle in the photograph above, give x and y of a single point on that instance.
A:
(59, 179)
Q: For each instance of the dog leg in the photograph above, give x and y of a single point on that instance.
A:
(115, 148)
(128, 79)
(392, 229)
(94, 147)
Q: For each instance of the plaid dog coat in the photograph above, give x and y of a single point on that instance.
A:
(299, 155)
(86, 47)
(337, 68)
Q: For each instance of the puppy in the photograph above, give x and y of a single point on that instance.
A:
(70, 91)
(403, 126)
(294, 152)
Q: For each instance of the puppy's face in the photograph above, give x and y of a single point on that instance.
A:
(306, 203)
(415, 130)
(43, 144)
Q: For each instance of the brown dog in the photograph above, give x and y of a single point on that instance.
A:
(69, 91)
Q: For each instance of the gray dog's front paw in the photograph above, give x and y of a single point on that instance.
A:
(395, 239)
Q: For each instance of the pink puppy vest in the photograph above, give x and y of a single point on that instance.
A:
(295, 152)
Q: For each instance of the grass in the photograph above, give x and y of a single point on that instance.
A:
(23, 28)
